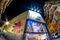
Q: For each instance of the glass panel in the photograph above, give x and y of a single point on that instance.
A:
(33, 26)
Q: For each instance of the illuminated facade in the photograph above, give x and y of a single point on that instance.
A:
(17, 24)
(53, 18)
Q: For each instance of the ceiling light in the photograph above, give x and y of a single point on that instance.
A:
(7, 23)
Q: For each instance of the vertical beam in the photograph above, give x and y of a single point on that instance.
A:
(0, 17)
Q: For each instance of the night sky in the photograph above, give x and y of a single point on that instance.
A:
(19, 6)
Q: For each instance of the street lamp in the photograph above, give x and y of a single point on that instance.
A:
(7, 23)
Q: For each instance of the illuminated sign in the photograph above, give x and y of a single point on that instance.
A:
(35, 16)
(36, 37)
(34, 26)
(19, 25)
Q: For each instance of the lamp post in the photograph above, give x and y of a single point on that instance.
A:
(7, 23)
(0, 17)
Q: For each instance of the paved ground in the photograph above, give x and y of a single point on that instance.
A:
(13, 37)
(57, 39)
(9, 37)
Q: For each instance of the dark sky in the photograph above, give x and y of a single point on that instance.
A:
(19, 6)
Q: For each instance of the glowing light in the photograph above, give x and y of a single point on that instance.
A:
(4, 30)
(43, 37)
(33, 14)
(7, 23)
(31, 8)
(35, 10)
(38, 11)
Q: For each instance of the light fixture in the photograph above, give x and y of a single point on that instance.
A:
(32, 9)
(38, 11)
(35, 10)
(7, 23)
(34, 14)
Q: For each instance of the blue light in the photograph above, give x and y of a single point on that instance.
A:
(32, 9)
(38, 10)
(35, 10)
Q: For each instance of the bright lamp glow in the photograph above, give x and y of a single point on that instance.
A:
(43, 37)
(33, 14)
(6, 23)
(35, 10)
(38, 11)
(31, 8)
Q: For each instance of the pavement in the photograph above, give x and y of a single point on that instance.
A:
(57, 39)
(13, 37)
(9, 36)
